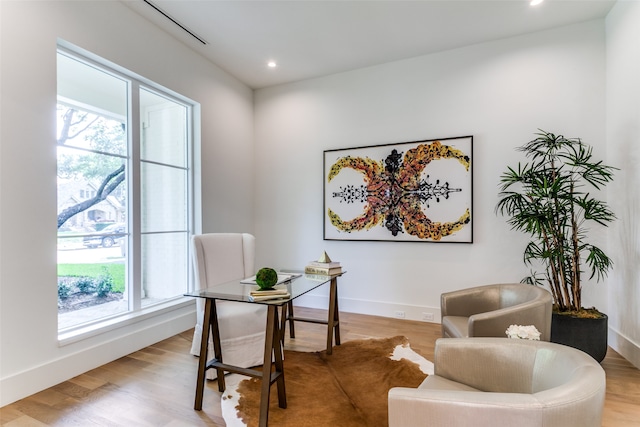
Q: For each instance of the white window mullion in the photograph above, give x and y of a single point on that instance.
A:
(135, 260)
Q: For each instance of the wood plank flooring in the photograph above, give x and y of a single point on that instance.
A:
(155, 386)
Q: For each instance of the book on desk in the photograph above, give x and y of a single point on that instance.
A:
(323, 266)
(268, 294)
(326, 271)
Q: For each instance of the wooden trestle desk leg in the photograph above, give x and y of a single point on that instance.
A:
(209, 324)
(286, 316)
(289, 311)
(272, 346)
(217, 347)
(333, 321)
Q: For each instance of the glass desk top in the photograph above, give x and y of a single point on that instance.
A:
(298, 284)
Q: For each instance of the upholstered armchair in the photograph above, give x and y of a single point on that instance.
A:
(487, 311)
(503, 382)
(220, 258)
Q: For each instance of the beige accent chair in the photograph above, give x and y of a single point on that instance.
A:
(220, 258)
(503, 382)
(487, 311)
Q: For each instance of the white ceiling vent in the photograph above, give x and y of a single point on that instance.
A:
(166, 15)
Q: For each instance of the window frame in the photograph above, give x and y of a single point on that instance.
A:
(136, 311)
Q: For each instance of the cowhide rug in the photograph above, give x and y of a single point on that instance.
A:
(347, 389)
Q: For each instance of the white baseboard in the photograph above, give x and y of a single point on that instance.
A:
(133, 338)
(625, 346)
(374, 308)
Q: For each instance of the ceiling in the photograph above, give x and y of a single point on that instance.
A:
(315, 38)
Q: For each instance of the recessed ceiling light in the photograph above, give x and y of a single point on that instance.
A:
(535, 2)
(271, 64)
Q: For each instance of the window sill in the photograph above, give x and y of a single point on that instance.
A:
(83, 332)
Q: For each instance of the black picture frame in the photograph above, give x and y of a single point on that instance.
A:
(419, 191)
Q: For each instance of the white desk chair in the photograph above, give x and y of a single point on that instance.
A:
(220, 258)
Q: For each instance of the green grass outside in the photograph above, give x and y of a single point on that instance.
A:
(95, 270)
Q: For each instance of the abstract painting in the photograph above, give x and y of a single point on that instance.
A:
(413, 191)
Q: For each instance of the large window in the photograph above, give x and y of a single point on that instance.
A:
(125, 210)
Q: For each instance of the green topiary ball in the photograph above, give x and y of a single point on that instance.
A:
(266, 278)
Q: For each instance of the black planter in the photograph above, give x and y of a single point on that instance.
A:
(588, 335)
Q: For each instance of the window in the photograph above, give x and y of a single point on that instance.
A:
(125, 211)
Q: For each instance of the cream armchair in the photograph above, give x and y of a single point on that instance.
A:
(220, 258)
(487, 311)
(503, 382)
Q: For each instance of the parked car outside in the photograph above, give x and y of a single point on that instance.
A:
(106, 237)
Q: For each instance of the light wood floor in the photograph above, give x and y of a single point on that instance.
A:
(155, 386)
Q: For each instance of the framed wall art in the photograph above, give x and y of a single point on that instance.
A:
(412, 191)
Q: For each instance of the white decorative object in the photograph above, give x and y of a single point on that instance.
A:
(523, 332)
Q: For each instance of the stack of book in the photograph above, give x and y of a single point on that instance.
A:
(323, 266)
(270, 294)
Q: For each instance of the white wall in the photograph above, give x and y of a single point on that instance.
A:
(499, 92)
(623, 139)
(30, 356)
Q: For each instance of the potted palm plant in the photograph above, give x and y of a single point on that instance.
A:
(548, 198)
